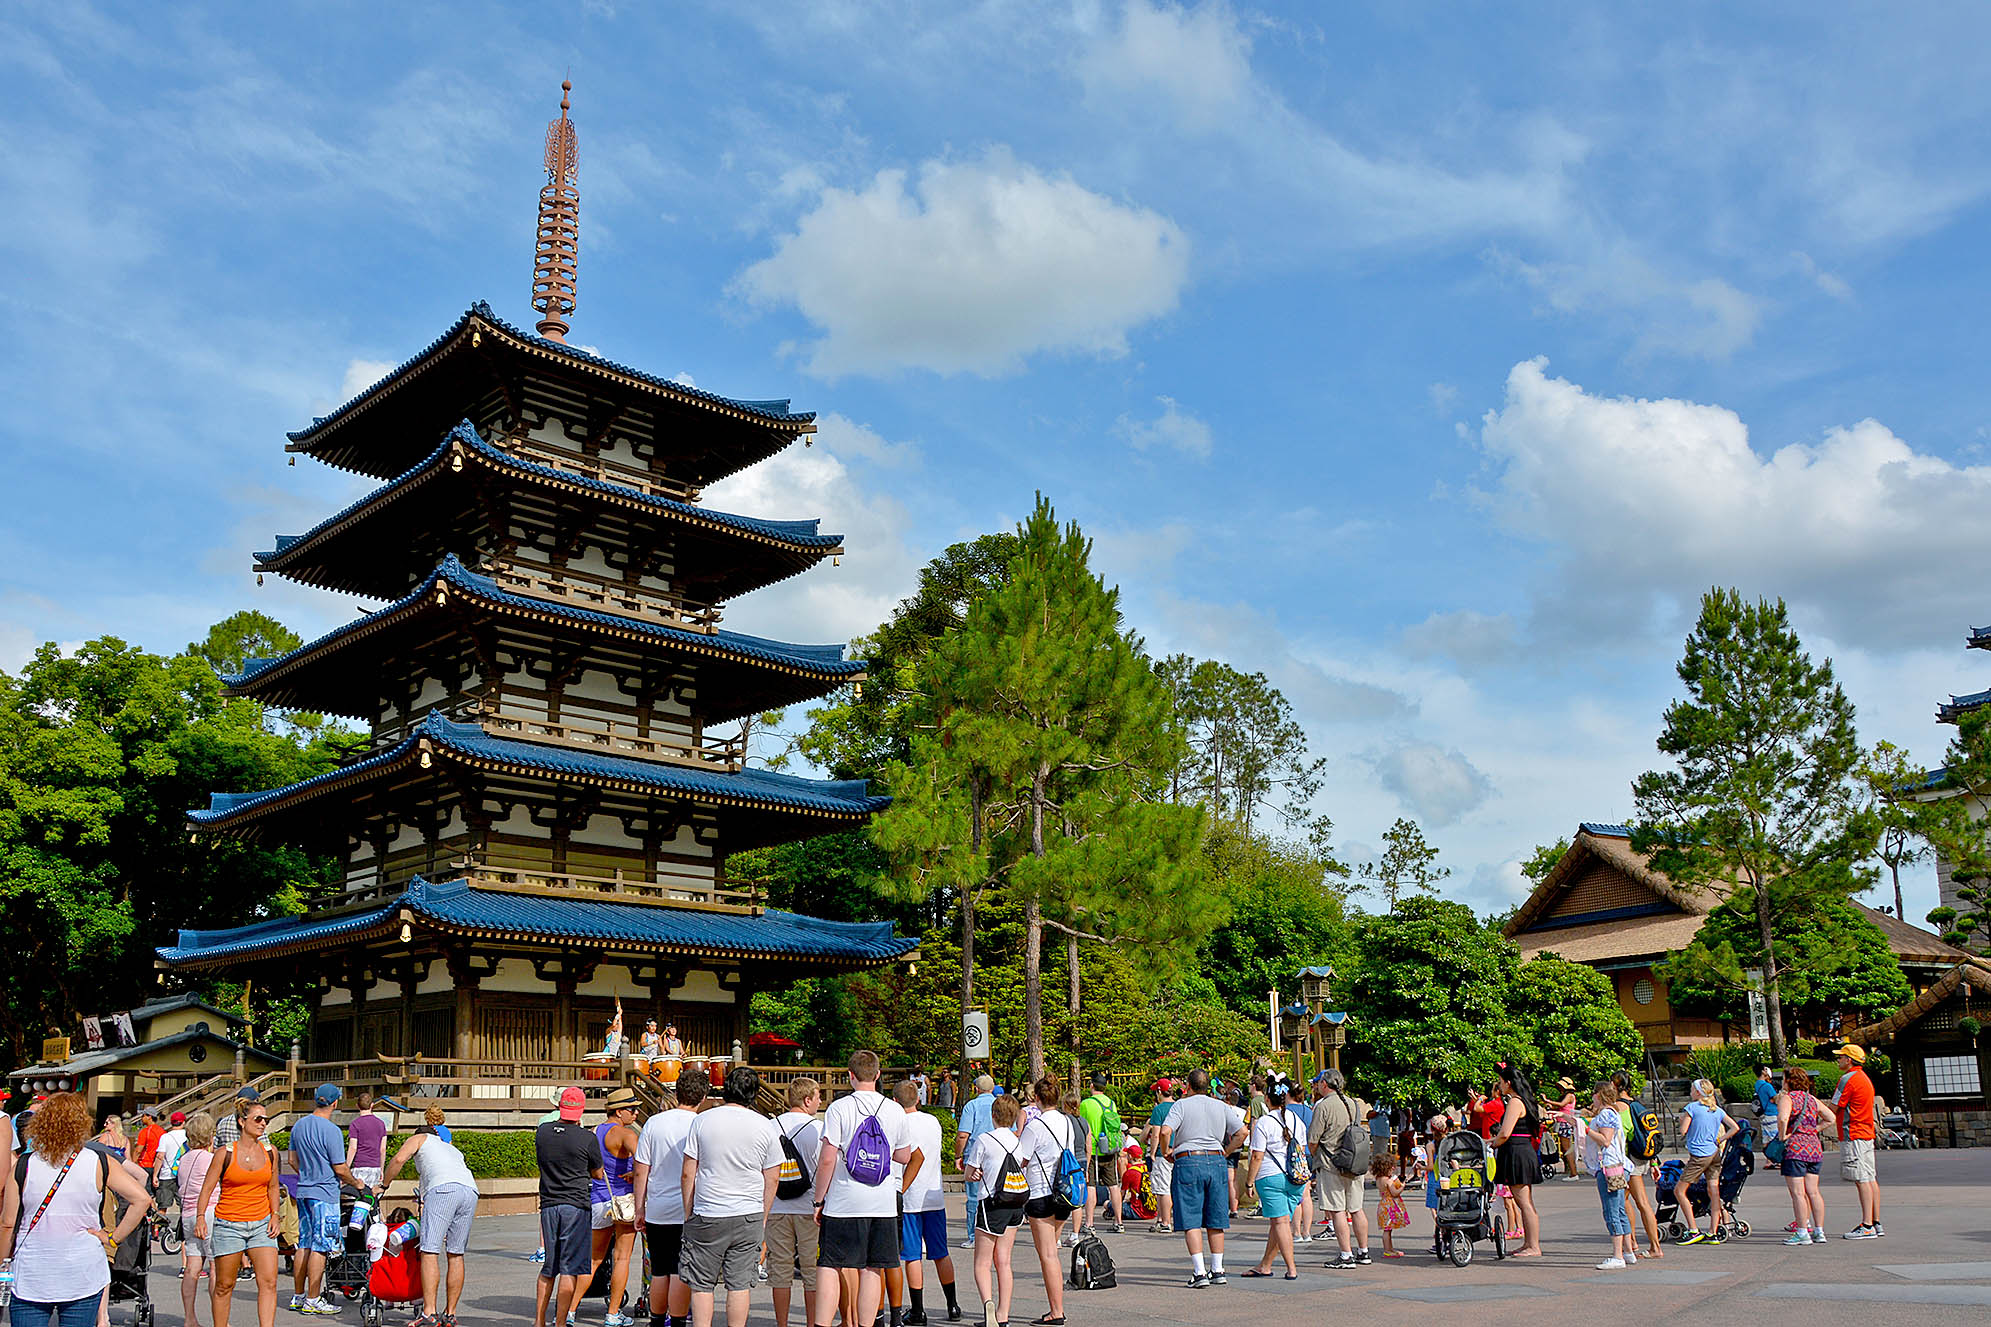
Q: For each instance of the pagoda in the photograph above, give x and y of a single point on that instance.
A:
(540, 824)
(1936, 788)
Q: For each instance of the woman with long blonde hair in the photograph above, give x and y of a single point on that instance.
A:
(54, 1221)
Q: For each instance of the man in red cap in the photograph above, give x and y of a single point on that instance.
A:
(166, 1162)
(569, 1156)
(1161, 1169)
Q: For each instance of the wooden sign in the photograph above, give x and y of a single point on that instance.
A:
(55, 1050)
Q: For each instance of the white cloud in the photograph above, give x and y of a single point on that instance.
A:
(1832, 285)
(1174, 428)
(1471, 639)
(830, 602)
(846, 437)
(1443, 397)
(1437, 784)
(362, 374)
(1653, 501)
(1194, 67)
(1321, 687)
(1673, 315)
(970, 267)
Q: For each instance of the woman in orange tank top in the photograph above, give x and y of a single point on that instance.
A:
(245, 1217)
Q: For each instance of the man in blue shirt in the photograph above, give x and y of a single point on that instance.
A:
(975, 1121)
(318, 1147)
(1705, 1129)
(1766, 1102)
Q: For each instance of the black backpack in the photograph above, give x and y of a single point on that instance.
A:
(1092, 1265)
(801, 1181)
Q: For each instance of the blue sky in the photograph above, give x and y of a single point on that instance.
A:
(1430, 358)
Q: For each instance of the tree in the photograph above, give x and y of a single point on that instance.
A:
(1243, 745)
(1956, 825)
(1889, 779)
(1569, 1012)
(1408, 864)
(243, 636)
(1427, 1006)
(1544, 860)
(1283, 910)
(1040, 775)
(101, 753)
(1760, 802)
(1832, 960)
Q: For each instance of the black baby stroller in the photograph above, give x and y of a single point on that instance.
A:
(1738, 1163)
(1467, 1210)
(131, 1267)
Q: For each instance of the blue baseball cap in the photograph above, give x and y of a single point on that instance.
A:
(328, 1094)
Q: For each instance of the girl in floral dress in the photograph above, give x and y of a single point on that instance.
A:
(1391, 1215)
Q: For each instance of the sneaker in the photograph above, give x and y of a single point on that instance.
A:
(1361, 1257)
(297, 1303)
(1878, 1231)
(1303, 1239)
(1792, 1227)
(1219, 1279)
(1611, 1265)
(967, 1243)
(320, 1306)
(1861, 1231)
(1818, 1235)
(1719, 1237)
(988, 1313)
(1117, 1228)
(1695, 1236)
(1340, 1262)
(1198, 1280)
(618, 1320)
(1799, 1237)
(537, 1255)
(1070, 1241)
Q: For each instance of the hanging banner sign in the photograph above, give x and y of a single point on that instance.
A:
(975, 1035)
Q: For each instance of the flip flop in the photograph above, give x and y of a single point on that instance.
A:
(1292, 1276)
(1253, 1273)
(1394, 1253)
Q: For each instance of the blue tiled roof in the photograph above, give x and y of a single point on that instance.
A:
(455, 906)
(801, 534)
(774, 412)
(1959, 704)
(1606, 831)
(1980, 638)
(470, 742)
(825, 659)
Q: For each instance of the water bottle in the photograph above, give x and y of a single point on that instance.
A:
(6, 1282)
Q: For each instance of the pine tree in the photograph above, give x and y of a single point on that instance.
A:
(1408, 864)
(1760, 803)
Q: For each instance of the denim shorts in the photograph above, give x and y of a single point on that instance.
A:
(1202, 1192)
(226, 1237)
(318, 1228)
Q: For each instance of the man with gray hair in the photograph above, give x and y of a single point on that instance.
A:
(1336, 1112)
(975, 1121)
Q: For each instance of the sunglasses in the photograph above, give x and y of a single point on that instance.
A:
(255, 1119)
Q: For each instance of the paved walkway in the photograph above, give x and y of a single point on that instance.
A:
(1933, 1268)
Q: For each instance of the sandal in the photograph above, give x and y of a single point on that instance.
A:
(1292, 1276)
(1252, 1273)
(1048, 1321)
(1394, 1253)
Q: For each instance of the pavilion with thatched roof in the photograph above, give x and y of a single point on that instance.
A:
(1937, 1041)
(1605, 906)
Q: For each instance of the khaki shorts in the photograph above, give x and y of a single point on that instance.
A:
(791, 1240)
(1856, 1160)
(1338, 1192)
(1707, 1167)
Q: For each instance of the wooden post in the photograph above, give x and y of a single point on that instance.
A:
(563, 1032)
(241, 1066)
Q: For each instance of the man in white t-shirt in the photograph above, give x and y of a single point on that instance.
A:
(732, 1162)
(923, 1228)
(791, 1222)
(166, 1163)
(1201, 1132)
(658, 1186)
(860, 1221)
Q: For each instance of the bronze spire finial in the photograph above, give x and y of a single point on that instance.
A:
(559, 241)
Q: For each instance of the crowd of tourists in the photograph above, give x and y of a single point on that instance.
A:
(849, 1201)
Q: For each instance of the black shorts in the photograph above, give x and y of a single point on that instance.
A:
(995, 1220)
(1046, 1208)
(666, 1247)
(859, 1241)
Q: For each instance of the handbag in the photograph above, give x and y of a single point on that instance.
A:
(622, 1208)
(1617, 1178)
(1773, 1151)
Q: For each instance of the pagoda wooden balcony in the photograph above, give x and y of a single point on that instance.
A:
(607, 472)
(728, 754)
(717, 894)
(582, 590)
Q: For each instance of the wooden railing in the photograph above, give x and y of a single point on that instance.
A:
(612, 472)
(602, 595)
(724, 893)
(728, 753)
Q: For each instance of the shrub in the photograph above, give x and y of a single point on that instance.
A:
(1718, 1064)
